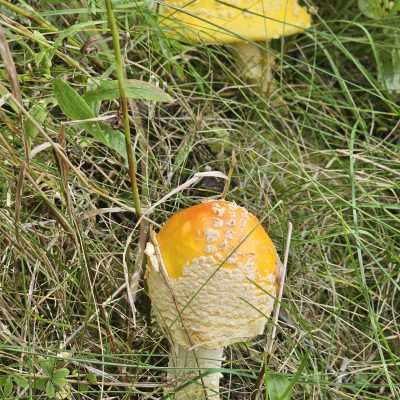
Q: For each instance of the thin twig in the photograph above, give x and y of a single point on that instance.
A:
(119, 64)
(232, 166)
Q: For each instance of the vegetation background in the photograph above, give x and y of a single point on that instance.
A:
(322, 153)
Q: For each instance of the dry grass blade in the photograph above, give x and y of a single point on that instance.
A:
(197, 177)
(9, 65)
(283, 268)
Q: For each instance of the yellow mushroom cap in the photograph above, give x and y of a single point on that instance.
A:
(232, 21)
(221, 269)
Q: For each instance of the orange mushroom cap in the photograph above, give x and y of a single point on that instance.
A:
(220, 229)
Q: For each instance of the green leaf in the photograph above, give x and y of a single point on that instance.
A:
(73, 29)
(395, 8)
(135, 89)
(111, 138)
(61, 373)
(40, 383)
(8, 386)
(48, 365)
(83, 387)
(92, 378)
(38, 113)
(21, 381)
(375, 9)
(70, 101)
(390, 70)
(50, 390)
(76, 108)
(59, 377)
(279, 387)
(44, 57)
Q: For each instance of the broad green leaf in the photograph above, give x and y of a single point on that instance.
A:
(76, 108)
(48, 365)
(135, 89)
(395, 8)
(279, 387)
(375, 9)
(61, 373)
(110, 137)
(21, 381)
(218, 140)
(50, 390)
(83, 387)
(362, 379)
(59, 377)
(71, 102)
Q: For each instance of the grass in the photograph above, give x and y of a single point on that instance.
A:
(325, 157)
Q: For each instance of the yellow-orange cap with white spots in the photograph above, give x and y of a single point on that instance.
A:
(219, 229)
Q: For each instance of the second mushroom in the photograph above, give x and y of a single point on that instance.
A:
(246, 25)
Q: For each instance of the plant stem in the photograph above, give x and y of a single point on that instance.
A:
(120, 70)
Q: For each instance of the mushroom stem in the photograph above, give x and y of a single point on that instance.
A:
(256, 63)
(190, 370)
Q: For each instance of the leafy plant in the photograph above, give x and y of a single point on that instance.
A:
(278, 387)
(55, 379)
(78, 108)
(7, 383)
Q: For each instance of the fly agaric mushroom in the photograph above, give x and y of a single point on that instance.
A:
(212, 280)
(239, 23)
